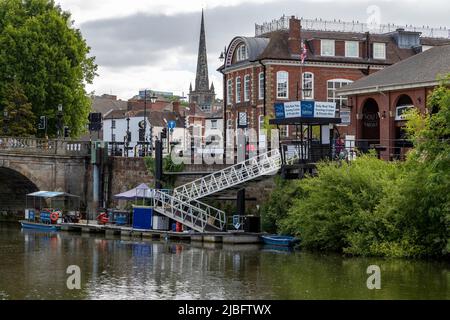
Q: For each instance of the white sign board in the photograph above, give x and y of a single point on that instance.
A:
(292, 109)
(325, 109)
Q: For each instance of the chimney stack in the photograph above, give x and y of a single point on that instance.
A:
(294, 40)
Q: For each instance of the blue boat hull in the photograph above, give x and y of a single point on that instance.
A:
(279, 241)
(40, 226)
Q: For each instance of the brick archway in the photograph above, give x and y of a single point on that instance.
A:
(370, 122)
(14, 186)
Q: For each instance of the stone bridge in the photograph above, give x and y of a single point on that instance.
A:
(28, 165)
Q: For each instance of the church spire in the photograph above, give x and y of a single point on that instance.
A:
(201, 79)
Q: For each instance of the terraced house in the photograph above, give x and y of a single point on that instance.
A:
(293, 59)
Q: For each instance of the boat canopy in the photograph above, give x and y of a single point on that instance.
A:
(51, 194)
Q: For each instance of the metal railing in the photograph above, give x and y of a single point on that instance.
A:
(194, 214)
(265, 164)
(44, 146)
(350, 26)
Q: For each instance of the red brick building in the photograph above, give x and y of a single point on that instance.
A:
(263, 70)
(378, 101)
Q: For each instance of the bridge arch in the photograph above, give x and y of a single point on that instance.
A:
(14, 186)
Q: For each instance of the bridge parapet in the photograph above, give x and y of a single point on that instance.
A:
(44, 146)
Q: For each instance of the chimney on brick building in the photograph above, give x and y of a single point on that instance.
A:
(176, 105)
(294, 40)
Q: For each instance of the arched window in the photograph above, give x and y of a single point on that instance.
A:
(308, 86)
(333, 85)
(241, 53)
(247, 87)
(261, 86)
(229, 91)
(238, 89)
(282, 85)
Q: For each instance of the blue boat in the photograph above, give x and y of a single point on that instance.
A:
(40, 226)
(283, 241)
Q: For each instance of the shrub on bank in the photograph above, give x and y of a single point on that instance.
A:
(375, 208)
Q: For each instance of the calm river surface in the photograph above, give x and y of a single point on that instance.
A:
(33, 266)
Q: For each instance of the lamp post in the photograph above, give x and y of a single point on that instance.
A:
(5, 122)
(59, 116)
(127, 139)
(153, 99)
(222, 60)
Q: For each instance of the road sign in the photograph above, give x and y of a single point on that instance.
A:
(171, 124)
(236, 222)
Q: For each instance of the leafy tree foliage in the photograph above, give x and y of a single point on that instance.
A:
(375, 208)
(40, 49)
(20, 119)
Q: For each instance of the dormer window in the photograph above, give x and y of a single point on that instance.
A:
(352, 49)
(242, 53)
(327, 48)
(379, 50)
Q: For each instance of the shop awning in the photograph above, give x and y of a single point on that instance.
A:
(51, 194)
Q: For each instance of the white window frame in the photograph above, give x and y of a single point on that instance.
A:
(261, 86)
(230, 91)
(241, 53)
(347, 50)
(312, 86)
(247, 87)
(335, 98)
(280, 92)
(377, 54)
(238, 89)
(329, 42)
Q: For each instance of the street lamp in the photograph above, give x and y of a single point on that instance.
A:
(127, 139)
(59, 116)
(153, 99)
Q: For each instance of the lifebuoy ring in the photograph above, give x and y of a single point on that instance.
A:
(54, 216)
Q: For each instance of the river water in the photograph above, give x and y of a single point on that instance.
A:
(33, 265)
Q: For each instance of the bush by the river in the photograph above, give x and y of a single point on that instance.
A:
(375, 208)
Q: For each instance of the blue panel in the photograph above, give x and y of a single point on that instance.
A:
(308, 109)
(279, 110)
(142, 218)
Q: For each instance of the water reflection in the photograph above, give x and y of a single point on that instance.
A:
(33, 266)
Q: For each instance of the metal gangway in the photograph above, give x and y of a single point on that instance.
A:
(193, 214)
(263, 165)
(183, 205)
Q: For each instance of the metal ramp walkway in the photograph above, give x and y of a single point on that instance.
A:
(193, 214)
(183, 206)
(263, 165)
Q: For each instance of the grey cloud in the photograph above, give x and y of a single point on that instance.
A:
(146, 40)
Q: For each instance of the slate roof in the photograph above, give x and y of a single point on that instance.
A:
(105, 105)
(421, 68)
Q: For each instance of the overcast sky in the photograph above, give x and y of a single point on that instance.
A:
(154, 43)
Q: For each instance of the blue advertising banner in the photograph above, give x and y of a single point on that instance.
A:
(279, 110)
(307, 109)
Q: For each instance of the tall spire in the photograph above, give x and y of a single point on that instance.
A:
(201, 79)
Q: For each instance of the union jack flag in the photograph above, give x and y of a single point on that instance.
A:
(304, 54)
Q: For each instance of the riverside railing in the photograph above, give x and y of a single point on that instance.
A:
(44, 146)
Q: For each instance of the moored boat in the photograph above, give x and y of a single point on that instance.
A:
(283, 241)
(40, 226)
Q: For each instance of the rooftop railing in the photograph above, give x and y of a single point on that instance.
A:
(347, 26)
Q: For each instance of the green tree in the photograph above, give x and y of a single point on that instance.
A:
(20, 119)
(41, 50)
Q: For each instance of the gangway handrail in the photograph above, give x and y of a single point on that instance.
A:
(264, 164)
(193, 214)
